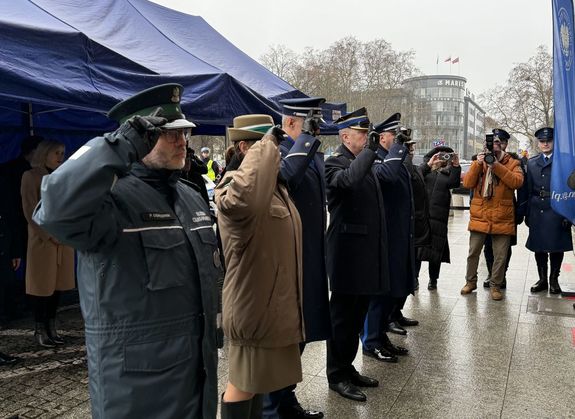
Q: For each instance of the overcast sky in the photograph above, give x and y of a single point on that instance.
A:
(488, 36)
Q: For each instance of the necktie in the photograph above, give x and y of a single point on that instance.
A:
(546, 159)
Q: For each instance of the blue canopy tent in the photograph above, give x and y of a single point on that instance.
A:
(65, 63)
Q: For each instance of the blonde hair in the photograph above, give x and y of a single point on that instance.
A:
(44, 148)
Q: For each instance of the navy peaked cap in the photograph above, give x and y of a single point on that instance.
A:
(302, 106)
(355, 120)
(390, 124)
(545, 133)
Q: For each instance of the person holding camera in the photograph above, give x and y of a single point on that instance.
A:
(549, 233)
(395, 184)
(519, 211)
(148, 262)
(494, 177)
(442, 173)
(356, 248)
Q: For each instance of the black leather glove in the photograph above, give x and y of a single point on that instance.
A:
(566, 224)
(277, 133)
(372, 138)
(401, 137)
(310, 125)
(140, 131)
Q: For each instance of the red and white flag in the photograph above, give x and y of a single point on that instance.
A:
(455, 60)
(448, 59)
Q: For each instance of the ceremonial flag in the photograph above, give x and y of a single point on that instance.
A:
(448, 59)
(563, 168)
(455, 60)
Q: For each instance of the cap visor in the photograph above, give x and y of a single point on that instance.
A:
(179, 124)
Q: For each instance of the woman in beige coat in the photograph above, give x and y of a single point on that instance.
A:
(49, 265)
(262, 298)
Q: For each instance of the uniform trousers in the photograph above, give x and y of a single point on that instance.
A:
(556, 258)
(500, 243)
(347, 314)
(378, 316)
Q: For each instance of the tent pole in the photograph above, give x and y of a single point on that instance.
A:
(30, 119)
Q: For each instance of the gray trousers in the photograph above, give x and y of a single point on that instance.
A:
(500, 244)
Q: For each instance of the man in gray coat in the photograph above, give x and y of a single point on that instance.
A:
(148, 263)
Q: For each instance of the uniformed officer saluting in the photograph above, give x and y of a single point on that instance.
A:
(302, 167)
(549, 233)
(356, 248)
(148, 263)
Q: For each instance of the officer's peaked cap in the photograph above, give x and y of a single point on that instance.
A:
(355, 120)
(545, 133)
(301, 106)
(390, 124)
(167, 97)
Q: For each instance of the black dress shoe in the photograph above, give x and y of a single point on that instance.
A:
(503, 284)
(364, 381)
(381, 354)
(6, 359)
(406, 321)
(298, 412)
(394, 349)
(395, 327)
(487, 283)
(348, 390)
(432, 285)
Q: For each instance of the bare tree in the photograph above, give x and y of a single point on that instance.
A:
(281, 61)
(525, 102)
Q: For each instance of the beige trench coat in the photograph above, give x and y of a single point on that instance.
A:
(261, 235)
(49, 266)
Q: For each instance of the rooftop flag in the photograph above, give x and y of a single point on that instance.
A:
(455, 60)
(448, 59)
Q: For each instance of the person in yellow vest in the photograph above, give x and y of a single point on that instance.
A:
(213, 166)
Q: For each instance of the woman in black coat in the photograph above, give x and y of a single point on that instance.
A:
(442, 173)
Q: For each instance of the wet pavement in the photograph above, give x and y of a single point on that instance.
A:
(470, 357)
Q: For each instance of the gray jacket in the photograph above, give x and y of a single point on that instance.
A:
(147, 281)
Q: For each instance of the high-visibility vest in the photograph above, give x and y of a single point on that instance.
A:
(211, 173)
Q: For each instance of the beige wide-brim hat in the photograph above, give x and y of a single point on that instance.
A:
(250, 127)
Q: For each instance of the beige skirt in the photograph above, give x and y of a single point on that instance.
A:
(263, 370)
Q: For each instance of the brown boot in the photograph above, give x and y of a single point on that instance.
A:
(496, 294)
(469, 286)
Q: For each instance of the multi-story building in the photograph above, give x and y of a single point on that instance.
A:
(441, 111)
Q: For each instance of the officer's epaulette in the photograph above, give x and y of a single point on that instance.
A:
(533, 157)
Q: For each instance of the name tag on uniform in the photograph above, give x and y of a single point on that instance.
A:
(157, 216)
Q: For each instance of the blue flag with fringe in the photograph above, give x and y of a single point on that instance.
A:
(563, 169)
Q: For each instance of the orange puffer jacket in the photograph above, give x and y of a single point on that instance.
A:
(494, 215)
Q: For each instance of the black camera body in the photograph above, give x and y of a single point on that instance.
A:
(446, 156)
(489, 156)
(402, 135)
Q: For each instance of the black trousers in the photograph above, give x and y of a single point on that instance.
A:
(347, 319)
(555, 258)
(434, 269)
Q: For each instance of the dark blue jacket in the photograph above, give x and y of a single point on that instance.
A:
(302, 167)
(395, 184)
(357, 235)
(548, 231)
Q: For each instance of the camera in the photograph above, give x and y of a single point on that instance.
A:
(402, 135)
(489, 157)
(446, 156)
